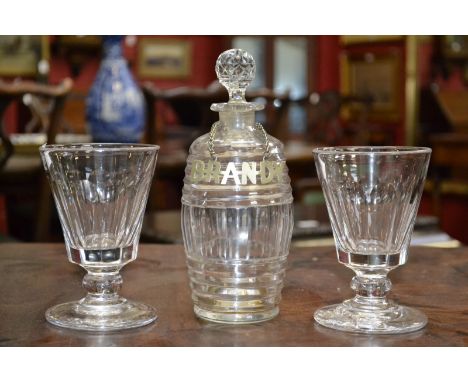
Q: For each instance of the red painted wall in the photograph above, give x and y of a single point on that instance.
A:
(204, 50)
(327, 76)
(328, 63)
(453, 82)
(328, 52)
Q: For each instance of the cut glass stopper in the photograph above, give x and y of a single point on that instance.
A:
(235, 69)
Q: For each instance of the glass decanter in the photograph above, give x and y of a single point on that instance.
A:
(237, 214)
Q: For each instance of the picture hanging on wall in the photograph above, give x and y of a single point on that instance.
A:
(20, 55)
(164, 58)
(376, 77)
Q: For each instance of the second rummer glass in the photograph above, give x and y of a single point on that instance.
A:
(372, 195)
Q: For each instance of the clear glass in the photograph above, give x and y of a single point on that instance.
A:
(100, 191)
(236, 208)
(372, 195)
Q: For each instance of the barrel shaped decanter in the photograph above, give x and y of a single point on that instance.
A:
(237, 214)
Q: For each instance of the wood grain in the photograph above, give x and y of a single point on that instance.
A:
(34, 277)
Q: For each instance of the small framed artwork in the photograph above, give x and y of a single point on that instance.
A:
(377, 78)
(20, 55)
(455, 47)
(164, 58)
(366, 39)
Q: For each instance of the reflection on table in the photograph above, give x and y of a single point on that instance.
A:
(311, 228)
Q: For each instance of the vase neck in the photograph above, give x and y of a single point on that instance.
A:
(112, 46)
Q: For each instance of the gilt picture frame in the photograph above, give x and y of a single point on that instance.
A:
(20, 55)
(369, 39)
(376, 77)
(164, 58)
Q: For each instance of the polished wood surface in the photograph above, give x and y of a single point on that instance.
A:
(37, 276)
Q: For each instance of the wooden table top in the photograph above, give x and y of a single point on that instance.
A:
(34, 277)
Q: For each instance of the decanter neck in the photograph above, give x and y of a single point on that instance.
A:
(237, 120)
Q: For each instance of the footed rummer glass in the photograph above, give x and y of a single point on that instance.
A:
(100, 191)
(372, 195)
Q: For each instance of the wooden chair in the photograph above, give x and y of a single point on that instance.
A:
(444, 127)
(191, 106)
(450, 144)
(326, 128)
(21, 174)
(325, 122)
(275, 115)
(448, 182)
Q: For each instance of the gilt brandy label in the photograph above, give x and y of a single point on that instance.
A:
(243, 173)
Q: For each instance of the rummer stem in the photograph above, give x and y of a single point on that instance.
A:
(371, 289)
(102, 289)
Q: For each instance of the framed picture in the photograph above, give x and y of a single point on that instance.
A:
(367, 39)
(163, 58)
(375, 77)
(20, 55)
(455, 47)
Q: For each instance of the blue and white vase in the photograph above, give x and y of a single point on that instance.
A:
(115, 109)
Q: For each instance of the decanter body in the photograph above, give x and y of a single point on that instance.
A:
(236, 208)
